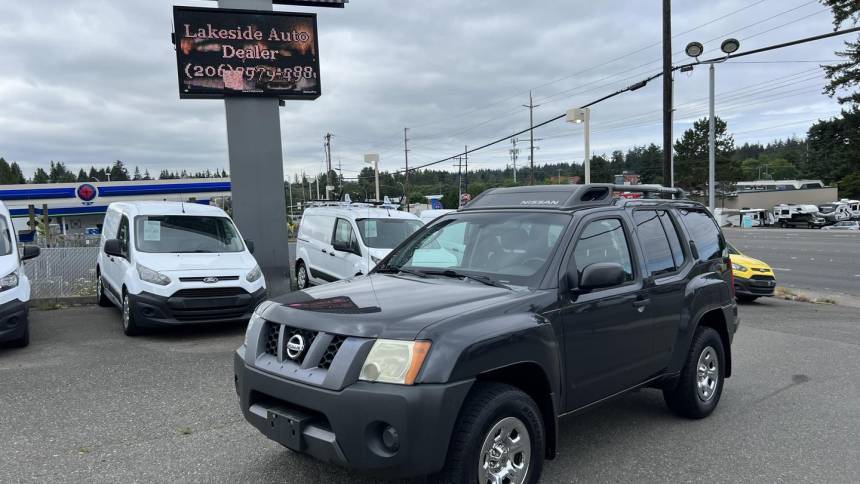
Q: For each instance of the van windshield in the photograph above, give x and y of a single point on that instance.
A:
(386, 233)
(5, 237)
(186, 233)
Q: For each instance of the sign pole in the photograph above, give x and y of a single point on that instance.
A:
(257, 175)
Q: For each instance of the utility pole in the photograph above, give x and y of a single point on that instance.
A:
(459, 166)
(531, 105)
(328, 180)
(340, 178)
(514, 152)
(667, 91)
(466, 151)
(559, 176)
(712, 184)
(406, 159)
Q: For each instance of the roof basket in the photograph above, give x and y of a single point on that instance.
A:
(347, 203)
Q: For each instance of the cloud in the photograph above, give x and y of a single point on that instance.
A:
(87, 82)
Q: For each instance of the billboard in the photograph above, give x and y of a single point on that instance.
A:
(227, 52)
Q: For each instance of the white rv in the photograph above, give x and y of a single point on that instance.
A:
(797, 215)
(835, 212)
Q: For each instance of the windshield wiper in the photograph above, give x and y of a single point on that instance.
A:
(414, 272)
(479, 278)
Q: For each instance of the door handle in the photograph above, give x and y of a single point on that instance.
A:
(640, 304)
(324, 251)
(331, 253)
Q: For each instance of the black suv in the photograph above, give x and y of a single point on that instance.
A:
(457, 355)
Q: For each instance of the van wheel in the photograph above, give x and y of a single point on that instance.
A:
(129, 327)
(24, 340)
(498, 437)
(103, 301)
(701, 382)
(302, 281)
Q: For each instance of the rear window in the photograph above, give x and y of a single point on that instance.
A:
(704, 233)
(659, 241)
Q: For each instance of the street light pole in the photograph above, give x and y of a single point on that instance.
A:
(374, 159)
(712, 141)
(583, 115)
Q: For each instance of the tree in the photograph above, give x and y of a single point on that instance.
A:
(146, 175)
(833, 147)
(849, 186)
(59, 173)
(17, 176)
(118, 172)
(41, 176)
(691, 156)
(137, 175)
(845, 76)
(82, 175)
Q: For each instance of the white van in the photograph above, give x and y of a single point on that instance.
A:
(168, 263)
(341, 240)
(14, 285)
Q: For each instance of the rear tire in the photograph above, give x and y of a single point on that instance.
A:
(129, 326)
(743, 298)
(499, 430)
(302, 280)
(701, 382)
(103, 300)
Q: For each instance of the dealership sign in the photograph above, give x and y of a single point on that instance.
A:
(226, 52)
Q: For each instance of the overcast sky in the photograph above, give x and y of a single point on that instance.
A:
(90, 81)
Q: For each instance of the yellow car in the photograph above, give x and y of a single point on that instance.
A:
(753, 278)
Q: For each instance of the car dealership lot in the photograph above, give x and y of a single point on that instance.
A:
(85, 402)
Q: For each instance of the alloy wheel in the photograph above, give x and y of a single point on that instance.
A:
(505, 453)
(707, 374)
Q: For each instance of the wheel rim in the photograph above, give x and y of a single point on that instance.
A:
(99, 288)
(303, 278)
(126, 312)
(707, 374)
(505, 454)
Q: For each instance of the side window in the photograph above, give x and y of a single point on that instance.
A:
(655, 243)
(343, 233)
(704, 232)
(603, 241)
(674, 239)
(122, 234)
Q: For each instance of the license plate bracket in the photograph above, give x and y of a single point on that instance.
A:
(288, 426)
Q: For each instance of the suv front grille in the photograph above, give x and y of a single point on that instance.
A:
(307, 335)
(330, 352)
(758, 277)
(271, 332)
(203, 278)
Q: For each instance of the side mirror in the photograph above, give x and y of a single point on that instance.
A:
(113, 248)
(250, 245)
(29, 252)
(601, 274)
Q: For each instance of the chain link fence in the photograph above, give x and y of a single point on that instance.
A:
(61, 272)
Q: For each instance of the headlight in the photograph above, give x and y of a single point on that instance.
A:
(375, 259)
(9, 281)
(255, 274)
(151, 276)
(254, 318)
(738, 267)
(394, 361)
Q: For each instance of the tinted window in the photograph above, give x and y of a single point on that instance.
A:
(185, 233)
(704, 233)
(655, 243)
(672, 234)
(603, 241)
(122, 235)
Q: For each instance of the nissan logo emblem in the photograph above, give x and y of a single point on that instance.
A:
(210, 280)
(295, 346)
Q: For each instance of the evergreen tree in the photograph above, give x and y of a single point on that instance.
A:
(691, 159)
(82, 175)
(137, 175)
(41, 176)
(118, 172)
(845, 76)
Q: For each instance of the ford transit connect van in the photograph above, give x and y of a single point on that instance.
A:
(14, 285)
(168, 263)
(340, 240)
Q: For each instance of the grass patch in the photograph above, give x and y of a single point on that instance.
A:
(789, 295)
(185, 430)
(84, 450)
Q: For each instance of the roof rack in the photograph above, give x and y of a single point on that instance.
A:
(560, 197)
(347, 203)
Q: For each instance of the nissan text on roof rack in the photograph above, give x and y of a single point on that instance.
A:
(459, 352)
(341, 240)
(14, 285)
(169, 263)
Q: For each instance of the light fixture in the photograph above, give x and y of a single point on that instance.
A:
(576, 115)
(695, 49)
(730, 46)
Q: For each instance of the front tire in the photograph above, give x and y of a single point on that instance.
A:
(744, 299)
(498, 437)
(302, 280)
(129, 326)
(103, 300)
(701, 382)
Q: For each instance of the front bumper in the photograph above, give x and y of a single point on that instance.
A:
(345, 427)
(152, 310)
(13, 320)
(755, 287)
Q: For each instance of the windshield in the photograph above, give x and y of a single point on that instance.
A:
(186, 233)
(5, 238)
(732, 249)
(386, 233)
(826, 208)
(510, 248)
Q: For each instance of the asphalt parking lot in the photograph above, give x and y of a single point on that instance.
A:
(86, 403)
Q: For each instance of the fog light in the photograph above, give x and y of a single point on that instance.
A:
(390, 439)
